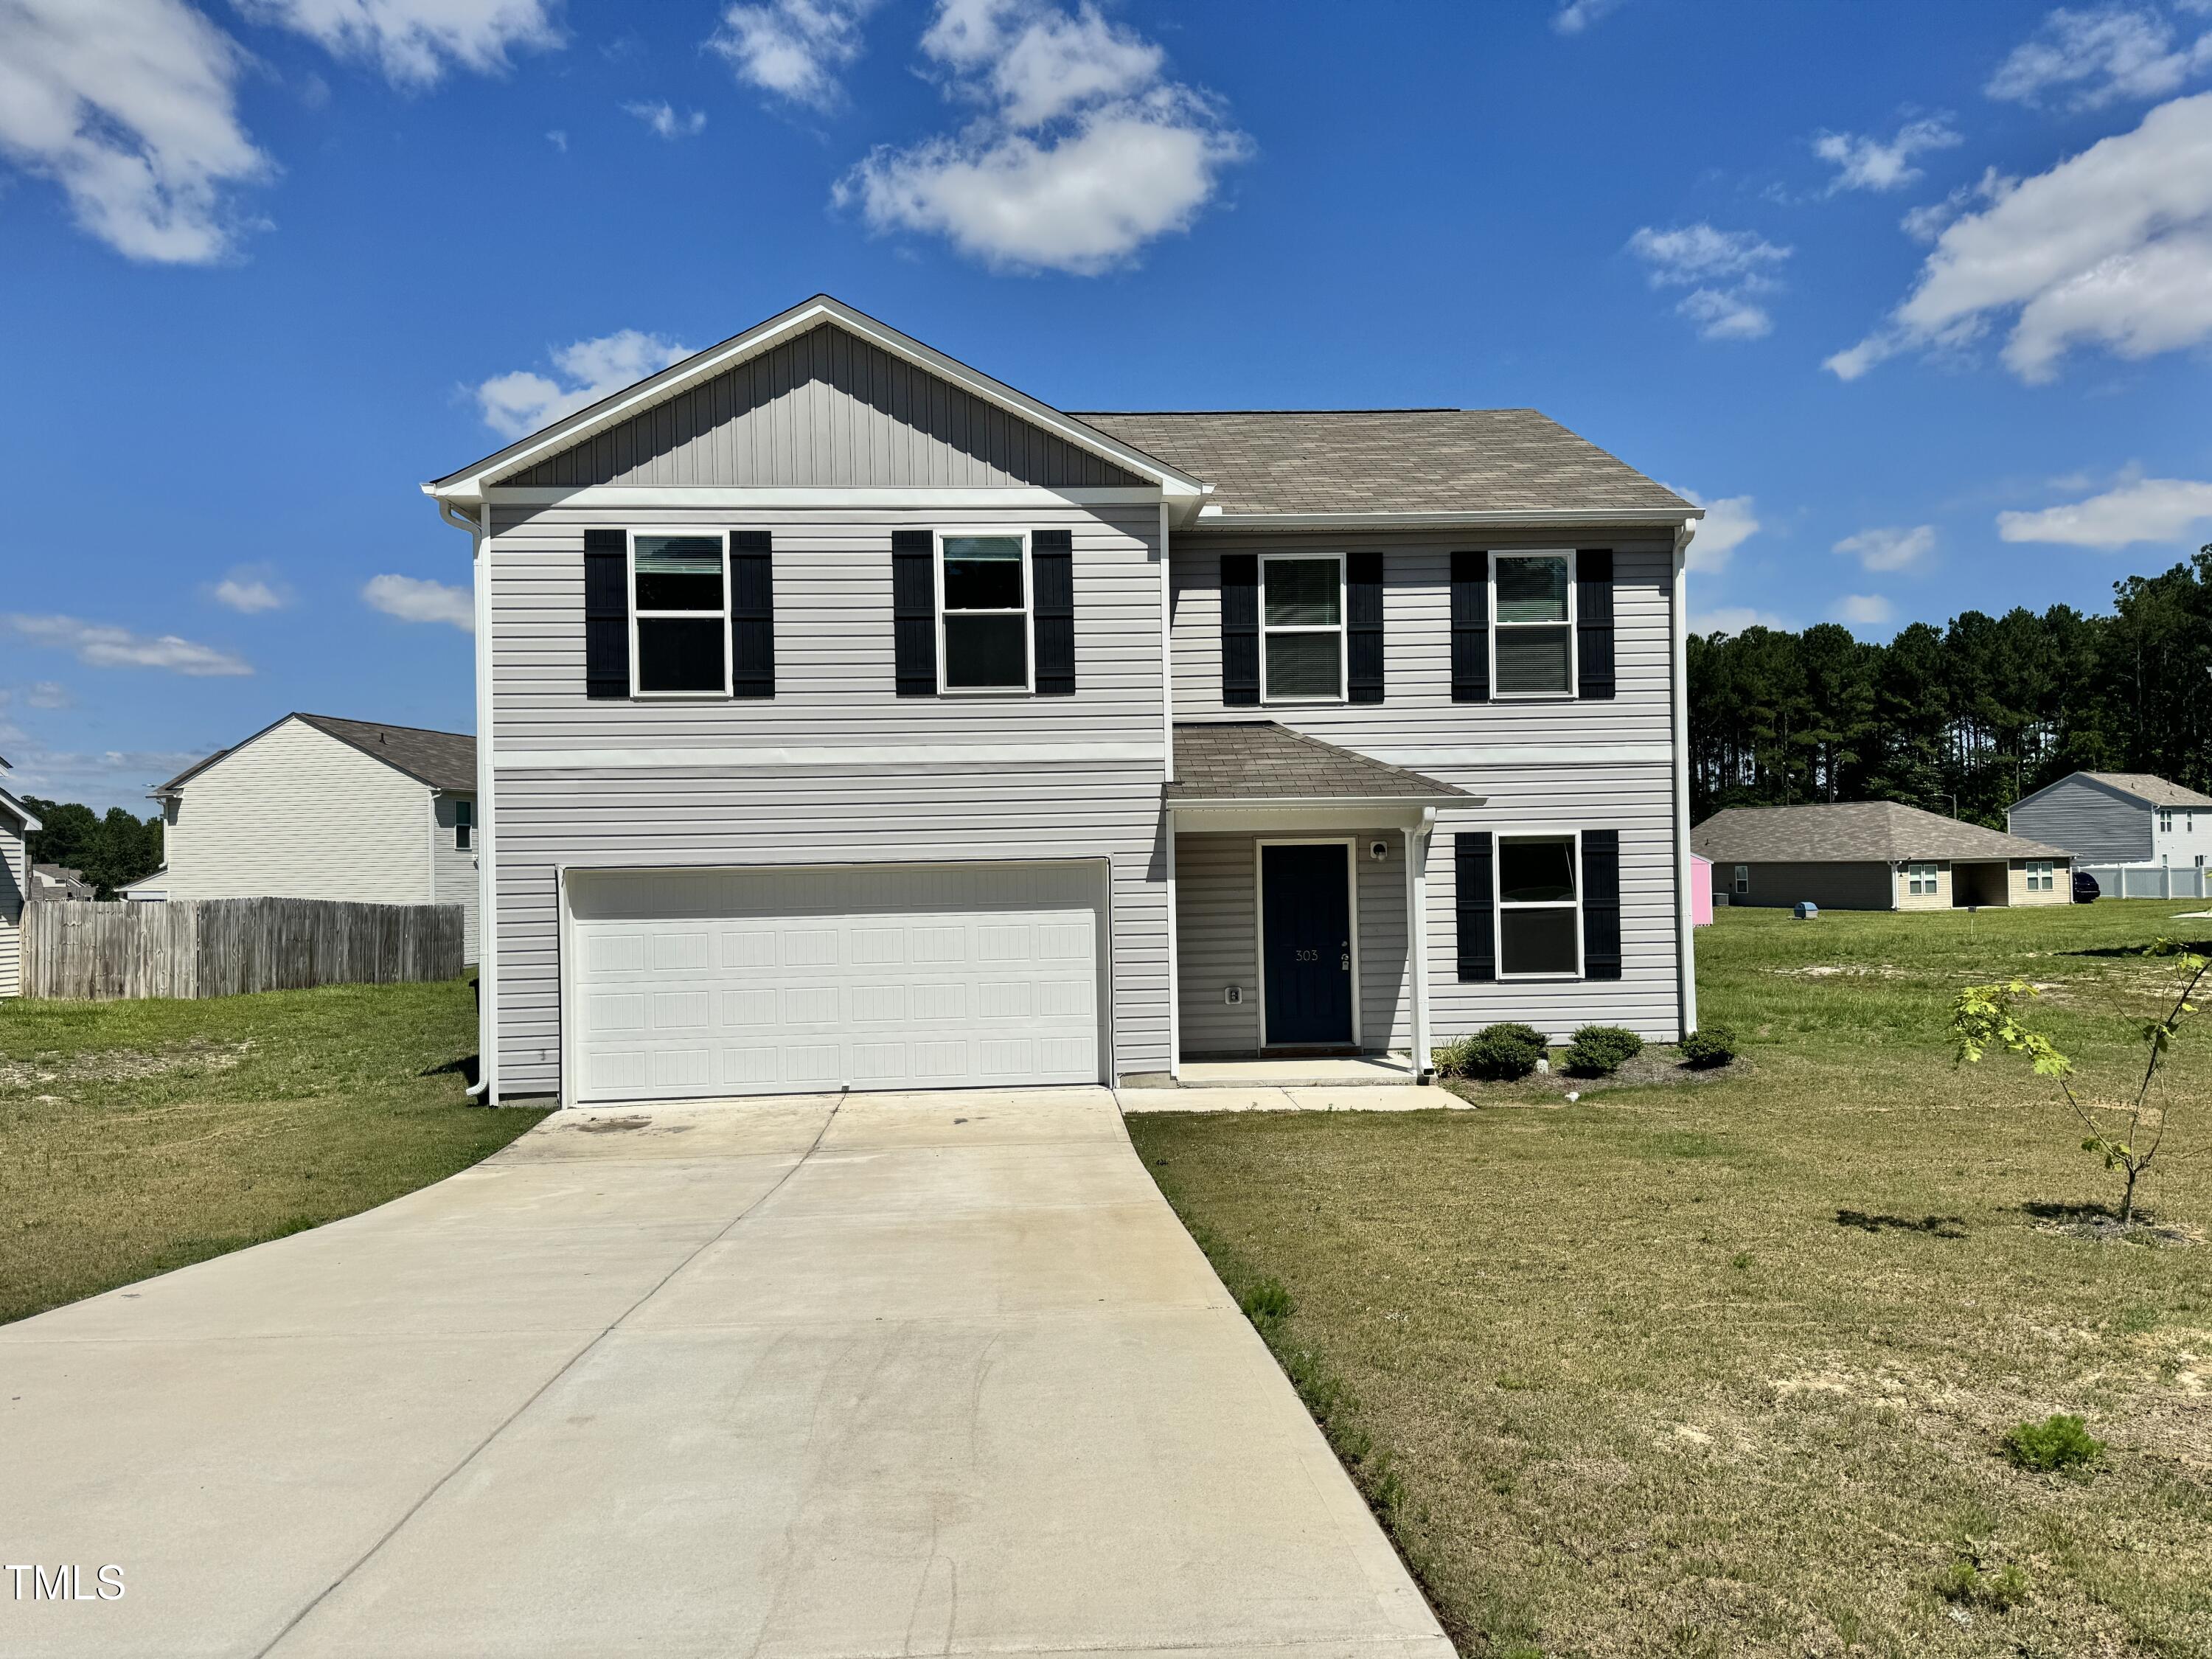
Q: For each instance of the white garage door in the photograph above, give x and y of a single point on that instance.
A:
(713, 982)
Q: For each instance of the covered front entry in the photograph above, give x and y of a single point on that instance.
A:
(1306, 970)
(703, 983)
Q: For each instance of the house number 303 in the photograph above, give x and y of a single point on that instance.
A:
(1309, 955)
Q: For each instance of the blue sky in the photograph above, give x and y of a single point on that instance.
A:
(1917, 298)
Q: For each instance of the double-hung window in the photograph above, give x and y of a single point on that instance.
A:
(1533, 639)
(1302, 656)
(2038, 876)
(464, 824)
(983, 604)
(2166, 820)
(1920, 880)
(679, 616)
(1539, 931)
(1743, 878)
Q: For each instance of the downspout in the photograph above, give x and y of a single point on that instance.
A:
(1167, 813)
(1685, 951)
(486, 1087)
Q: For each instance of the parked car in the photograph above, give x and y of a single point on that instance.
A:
(2086, 890)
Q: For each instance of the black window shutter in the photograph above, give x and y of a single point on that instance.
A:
(753, 614)
(914, 612)
(606, 613)
(1363, 616)
(1594, 622)
(1052, 609)
(1600, 904)
(1240, 628)
(1470, 629)
(1477, 911)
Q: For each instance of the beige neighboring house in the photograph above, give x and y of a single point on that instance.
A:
(58, 881)
(17, 821)
(320, 808)
(1874, 856)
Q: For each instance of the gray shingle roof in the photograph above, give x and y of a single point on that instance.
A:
(1258, 760)
(1390, 460)
(1853, 832)
(2146, 785)
(444, 760)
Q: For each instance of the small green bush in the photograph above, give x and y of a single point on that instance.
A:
(1499, 1052)
(1709, 1045)
(1267, 1304)
(2059, 1442)
(1600, 1050)
(1965, 1582)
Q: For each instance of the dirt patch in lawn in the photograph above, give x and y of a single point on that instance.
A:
(1654, 1067)
(119, 1065)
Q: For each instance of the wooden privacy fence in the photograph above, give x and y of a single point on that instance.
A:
(226, 947)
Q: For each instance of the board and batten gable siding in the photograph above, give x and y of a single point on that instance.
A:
(1416, 710)
(455, 874)
(2089, 821)
(835, 687)
(297, 814)
(1217, 938)
(829, 411)
(14, 883)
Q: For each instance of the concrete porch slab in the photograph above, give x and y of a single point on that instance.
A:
(1325, 1099)
(1368, 1070)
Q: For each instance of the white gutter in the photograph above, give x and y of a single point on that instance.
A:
(487, 1084)
(1212, 518)
(1685, 953)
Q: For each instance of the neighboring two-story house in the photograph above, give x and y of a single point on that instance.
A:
(17, 823)
(849, 718)
(2131, 830)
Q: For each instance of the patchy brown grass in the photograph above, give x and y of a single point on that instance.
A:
(1725, 1371)
(136, 1137)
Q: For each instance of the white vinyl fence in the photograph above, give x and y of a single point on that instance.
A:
(2148, 881)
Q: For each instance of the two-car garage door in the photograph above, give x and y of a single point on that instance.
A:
(715, 982)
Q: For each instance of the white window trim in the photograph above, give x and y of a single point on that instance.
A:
(2166, 820)
(1027, 687)
(1499, 905)
(464, 824)
(1574, 642)
(1341, 627)
(721, 540)
(1260, 844)
(2041, 876)
(1743, 878)
(1935, 873)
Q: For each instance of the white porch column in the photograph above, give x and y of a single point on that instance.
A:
(1417, 932)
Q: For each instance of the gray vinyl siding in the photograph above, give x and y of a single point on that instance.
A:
(2087, 820)
(1869, 884)
(1417, 709)
(15, 882)
(1637, 800)
(830, 410)
(835, 687)
(1217, 939)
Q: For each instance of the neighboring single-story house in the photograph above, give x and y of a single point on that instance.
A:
(320, 808)
(1874, 856)
(2123, 822)
(147, 889)
(16, 821)
(56, 881)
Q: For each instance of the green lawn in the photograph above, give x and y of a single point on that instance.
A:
(136, 1136)
(1724, 1369)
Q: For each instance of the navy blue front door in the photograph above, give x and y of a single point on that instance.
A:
(1305, 944)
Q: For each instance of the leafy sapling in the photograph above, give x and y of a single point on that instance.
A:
(2127, 1136)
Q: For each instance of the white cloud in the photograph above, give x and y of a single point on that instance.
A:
(47, 694)
(2101, 57)
(412, 599)
(1864, 610)
(793, 48)
(109, 778)
(2141, 510)
(412, 41)
(1723, 269)
(1864, 162)
(1729, 523)
(517, 403)
(1927, 222)
(129, 106)
(1577, 15)
(2112, 247)
(1735, 618)
(1890, 549)
(1083, 155)
(665, 121)
(558, 139)
(101, 645)
(252, 589)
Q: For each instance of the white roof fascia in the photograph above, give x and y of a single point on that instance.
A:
(1214, 518)
(22, 813)
(565, 433)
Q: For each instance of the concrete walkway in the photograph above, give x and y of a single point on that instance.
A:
(922, 1375)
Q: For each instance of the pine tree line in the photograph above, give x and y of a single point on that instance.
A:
(1968, 717)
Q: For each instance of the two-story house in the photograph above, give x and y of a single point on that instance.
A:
(2132, 830)
(849, 718)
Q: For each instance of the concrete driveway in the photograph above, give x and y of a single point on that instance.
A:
(915, 1374)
